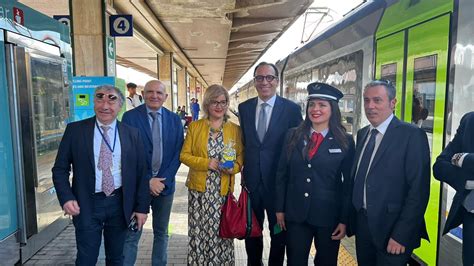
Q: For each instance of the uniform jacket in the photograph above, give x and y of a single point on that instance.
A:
(315, 191)
(397, 184)
(77, 150)
(195, 154)
(172, 138)
(456, 177)
(261, 158)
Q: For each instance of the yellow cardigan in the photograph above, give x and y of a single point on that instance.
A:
(194, 154)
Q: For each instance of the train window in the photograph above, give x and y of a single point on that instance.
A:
(424, 88)
(389, 72)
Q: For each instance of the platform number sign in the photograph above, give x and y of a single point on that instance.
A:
(121, 25)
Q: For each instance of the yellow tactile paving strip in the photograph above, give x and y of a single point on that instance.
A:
(344, 258)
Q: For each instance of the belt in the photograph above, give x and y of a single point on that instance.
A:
(116, 192)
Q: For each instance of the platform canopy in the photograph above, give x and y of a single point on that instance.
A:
(217, 40)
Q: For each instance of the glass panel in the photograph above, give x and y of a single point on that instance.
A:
(50, 113)
(389, 72)
(424, 88)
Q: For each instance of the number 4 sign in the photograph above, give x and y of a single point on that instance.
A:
(121, 25)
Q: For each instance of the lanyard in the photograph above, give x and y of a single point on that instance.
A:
(105, 140)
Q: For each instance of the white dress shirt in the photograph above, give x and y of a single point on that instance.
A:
(116, 155)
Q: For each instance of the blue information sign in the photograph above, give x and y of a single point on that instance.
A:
(121, 25)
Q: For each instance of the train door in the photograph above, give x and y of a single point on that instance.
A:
(416, 60)
(9, 247)
(40, 109)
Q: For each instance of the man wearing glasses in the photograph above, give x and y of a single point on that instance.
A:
(264, 121)
(162, 137)
(108, 181)
(391, 174)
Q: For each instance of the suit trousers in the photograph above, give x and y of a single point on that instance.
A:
(254, 245)
(298, 243)
(468, 239)
(107, 219)
(368, 254)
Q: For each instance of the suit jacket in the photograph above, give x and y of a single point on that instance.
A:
(315, 191)
(77, 150)
(397, 184)
(443, 170)
(172, 138)
(195, 155)
(261, 158)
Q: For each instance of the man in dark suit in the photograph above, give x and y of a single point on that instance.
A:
(455, 166)
(162, 141)
(108, 182)
(391, 182)
(264, 121)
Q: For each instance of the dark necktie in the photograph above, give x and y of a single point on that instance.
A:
(156, 133)
(316, 140)
(262, 122)
(358, 193)
(105, 163)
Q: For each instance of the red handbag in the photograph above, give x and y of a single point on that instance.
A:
(237, 217)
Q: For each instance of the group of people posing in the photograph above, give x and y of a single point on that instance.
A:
(313, 182)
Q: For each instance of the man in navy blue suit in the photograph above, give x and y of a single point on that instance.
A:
(391, 182)
(455, 166)
(162, 136)
(108, 182)
(264, 121)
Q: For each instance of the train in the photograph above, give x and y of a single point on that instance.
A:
(426, 49)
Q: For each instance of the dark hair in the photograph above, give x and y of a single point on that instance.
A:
(387, 84)
(275, 69)
(131, 85)
(335, 127)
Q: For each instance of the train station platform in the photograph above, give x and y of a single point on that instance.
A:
(62, 249)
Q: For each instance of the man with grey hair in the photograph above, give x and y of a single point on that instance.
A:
(391, 176)
(162, 140)
(108, 190)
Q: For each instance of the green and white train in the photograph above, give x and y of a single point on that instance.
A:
(426, 48)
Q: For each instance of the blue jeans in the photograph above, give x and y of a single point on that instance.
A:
(161, 211)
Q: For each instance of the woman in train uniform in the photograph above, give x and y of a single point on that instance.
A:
(312, 182)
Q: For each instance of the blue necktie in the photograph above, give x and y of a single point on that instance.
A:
(262, 122)
(358, 193)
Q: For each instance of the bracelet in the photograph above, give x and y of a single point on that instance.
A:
(455, 159)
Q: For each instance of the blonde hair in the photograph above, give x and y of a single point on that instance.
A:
(212, 92)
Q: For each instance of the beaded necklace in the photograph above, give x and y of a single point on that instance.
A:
(213, 130)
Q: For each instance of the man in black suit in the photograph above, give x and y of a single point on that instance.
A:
(391, 182)
(264, 121)
(455, 166)
(108, 183)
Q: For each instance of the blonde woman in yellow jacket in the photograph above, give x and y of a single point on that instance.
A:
(208, 182)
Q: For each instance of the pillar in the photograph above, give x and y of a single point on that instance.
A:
(165, 75)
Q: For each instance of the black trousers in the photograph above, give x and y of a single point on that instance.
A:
(468, 239)
(261, 202)
(368, 254)
(107, 219)
(298, 243)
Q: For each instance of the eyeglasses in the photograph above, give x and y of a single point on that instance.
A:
(221, 103)
(101, 97)
(268, 78)
(385, 82)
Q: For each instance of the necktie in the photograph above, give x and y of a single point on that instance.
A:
(156, 133)
(262, 122)
(469, 202)
(358, 193)
(105, 163)
(316, 140)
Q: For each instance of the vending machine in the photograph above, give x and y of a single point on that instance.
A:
(35, 95)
